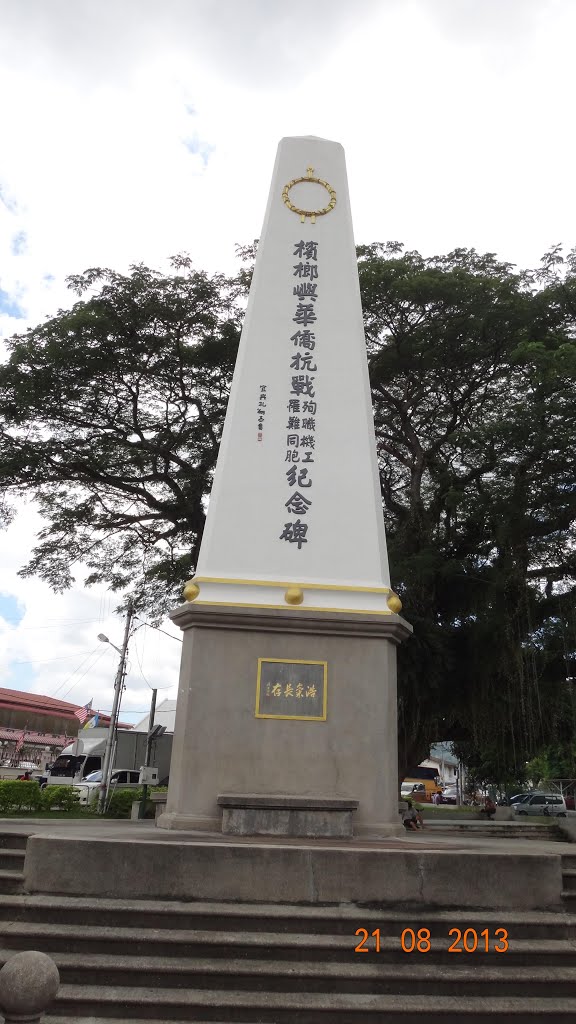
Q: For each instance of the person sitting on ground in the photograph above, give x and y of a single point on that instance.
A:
(489, 808)
(24, 778)
(411, 818)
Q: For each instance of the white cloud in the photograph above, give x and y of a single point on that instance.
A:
(135, 130)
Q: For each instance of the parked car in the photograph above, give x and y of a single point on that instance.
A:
(121, 778)
(518, 797)
(541, 803)
(422, 789)
(450, 795)
(413, 791)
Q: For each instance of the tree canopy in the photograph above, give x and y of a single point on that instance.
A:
(111, 414)
(110, 420)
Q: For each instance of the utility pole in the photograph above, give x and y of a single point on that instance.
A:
(142, 811)
(118, 685)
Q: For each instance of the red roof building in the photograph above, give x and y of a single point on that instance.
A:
(42, 715)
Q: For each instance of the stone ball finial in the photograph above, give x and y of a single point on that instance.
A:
(191, 591)
(28, 984)
(394, 603)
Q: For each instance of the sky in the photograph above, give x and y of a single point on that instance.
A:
(132, 130)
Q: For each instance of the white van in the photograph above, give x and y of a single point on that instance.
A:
(551, 804)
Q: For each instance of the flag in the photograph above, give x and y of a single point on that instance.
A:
(82, 713)
(93, 722)
(19, 743)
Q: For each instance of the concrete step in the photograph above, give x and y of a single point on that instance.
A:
(499, 830)
(58, 940)
(11, 882)
(79, 1002)
(568, 878)
(361, 977)
(272, 918)
(12, 859)
(13, 840)
(569, 861)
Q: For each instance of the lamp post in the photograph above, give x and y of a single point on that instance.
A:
(118, 682)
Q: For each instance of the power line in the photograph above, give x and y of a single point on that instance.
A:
(89, 669)
(56, 625)
(61, 657)
(150, 687)
(74, 672)
(150, 626)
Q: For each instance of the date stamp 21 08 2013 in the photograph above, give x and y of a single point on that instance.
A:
(467, 941)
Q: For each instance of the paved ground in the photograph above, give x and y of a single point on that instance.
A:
(477, 836)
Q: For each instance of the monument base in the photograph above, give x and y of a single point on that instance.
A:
(253, 815)
(281, 704)
(144, 864)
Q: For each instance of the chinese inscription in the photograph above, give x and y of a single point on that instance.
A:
(301, 405)
(291, 689)
(261, 412)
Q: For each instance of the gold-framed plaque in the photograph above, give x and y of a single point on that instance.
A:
(292, 689)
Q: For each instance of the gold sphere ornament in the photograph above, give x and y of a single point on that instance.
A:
(191, 591)
(294, 595)
(394, 603)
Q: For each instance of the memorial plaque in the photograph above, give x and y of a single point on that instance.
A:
(291, 689)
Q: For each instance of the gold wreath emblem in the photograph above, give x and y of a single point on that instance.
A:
(309, 213)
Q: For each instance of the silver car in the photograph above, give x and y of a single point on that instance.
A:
(121, 778)
(550, 804)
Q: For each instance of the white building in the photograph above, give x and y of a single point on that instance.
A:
(445, 762)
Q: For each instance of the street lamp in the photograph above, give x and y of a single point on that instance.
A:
(107, 766)
(105, 640)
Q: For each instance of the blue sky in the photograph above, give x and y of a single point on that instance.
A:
(10, 307)
(10, 609)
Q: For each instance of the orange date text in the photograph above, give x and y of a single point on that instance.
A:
(466, 940)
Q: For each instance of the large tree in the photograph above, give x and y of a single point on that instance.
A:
(111, 414)
(473, 372)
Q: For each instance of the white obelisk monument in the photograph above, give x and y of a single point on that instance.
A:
(287, 694)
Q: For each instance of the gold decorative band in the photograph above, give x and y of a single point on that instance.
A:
(285, 583)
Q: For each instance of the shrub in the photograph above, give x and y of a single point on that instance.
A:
(62, 797)
(120, 805)
(17, 796)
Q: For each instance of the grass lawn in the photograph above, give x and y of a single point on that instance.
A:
(47, 814)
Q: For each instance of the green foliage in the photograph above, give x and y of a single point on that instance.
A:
(120, 803)
(111, 414)
(472, 369)
(111, 417)
(63, 798)
(27, 796)
(20, 796)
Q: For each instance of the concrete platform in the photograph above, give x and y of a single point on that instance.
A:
(136, 860)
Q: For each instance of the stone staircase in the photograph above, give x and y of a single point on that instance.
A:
(499, 830)
(158, 961)
(569, 881)
(12, 854)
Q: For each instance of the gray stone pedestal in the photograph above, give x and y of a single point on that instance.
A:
(252, 815)
(231, 739)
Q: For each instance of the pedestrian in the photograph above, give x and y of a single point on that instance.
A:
(411, 818)
(489, 808)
